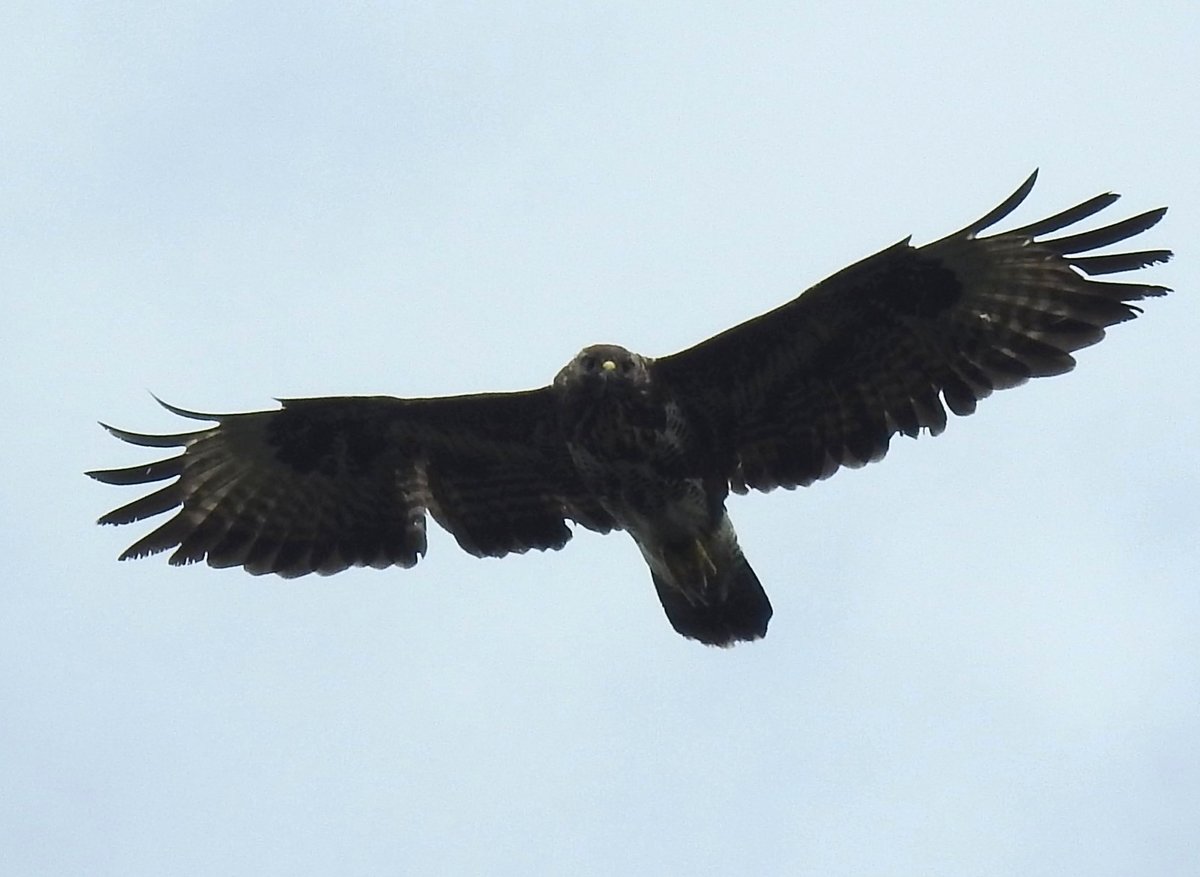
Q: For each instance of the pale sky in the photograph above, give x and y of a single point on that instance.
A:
(985, 655)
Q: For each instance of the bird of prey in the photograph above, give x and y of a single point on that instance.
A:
(651, 446)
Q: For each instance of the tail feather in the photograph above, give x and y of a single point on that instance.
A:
(730, 606)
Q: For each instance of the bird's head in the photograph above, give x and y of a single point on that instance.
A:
(604, 369)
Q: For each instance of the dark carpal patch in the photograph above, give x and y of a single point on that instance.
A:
(330, 446)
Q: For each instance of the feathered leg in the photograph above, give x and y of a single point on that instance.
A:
(707, 588)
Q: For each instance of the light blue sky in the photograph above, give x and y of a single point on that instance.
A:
(985, 656)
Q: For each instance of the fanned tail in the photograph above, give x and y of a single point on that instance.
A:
(709, 591)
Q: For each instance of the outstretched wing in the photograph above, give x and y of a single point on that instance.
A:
(825, 380)
(324, 484)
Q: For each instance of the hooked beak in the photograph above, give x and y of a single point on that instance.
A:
(608, 365)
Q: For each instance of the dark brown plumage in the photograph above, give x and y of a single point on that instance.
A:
(622, 441)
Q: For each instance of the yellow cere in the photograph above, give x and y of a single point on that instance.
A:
(608, 365)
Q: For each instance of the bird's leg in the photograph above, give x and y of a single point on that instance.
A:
(704, 564)
(693, 569)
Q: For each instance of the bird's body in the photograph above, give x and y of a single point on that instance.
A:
(649, 466)
(650, 446)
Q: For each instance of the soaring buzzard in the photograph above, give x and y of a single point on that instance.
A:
(621, 441)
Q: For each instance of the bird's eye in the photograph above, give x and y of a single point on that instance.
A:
(588, 362)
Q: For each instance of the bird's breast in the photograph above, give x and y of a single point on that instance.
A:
(638, 466)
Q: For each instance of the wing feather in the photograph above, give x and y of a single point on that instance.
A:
(888, 344)
(320, 485)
